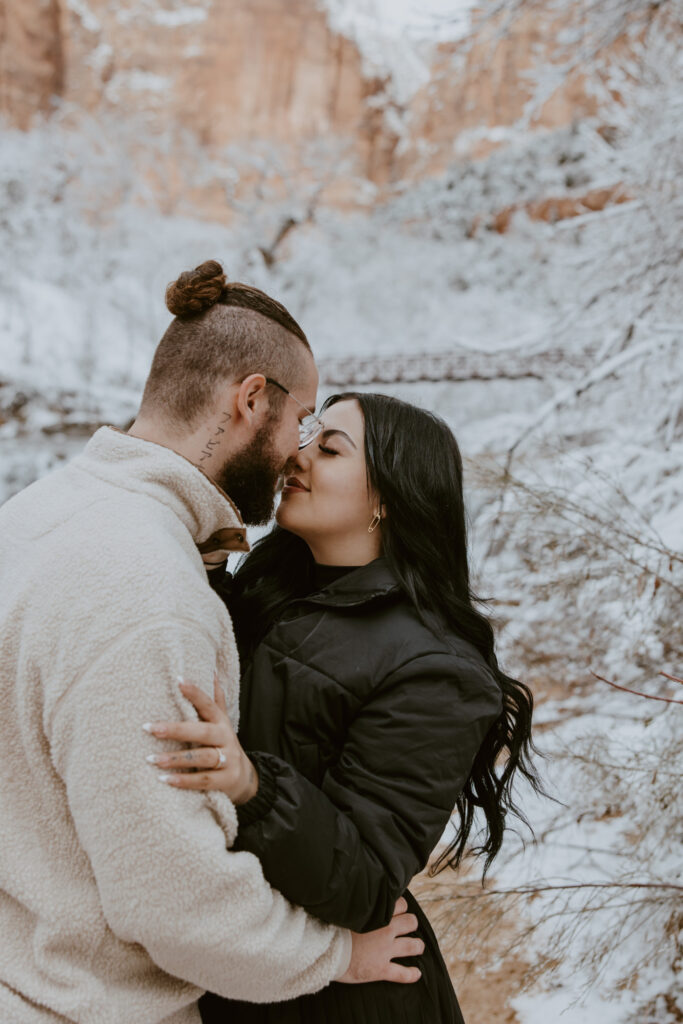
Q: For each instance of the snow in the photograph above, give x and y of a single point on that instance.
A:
(669, 526)
(436, 20)
(580, 848)
(81, 8)
(553, 1006)
(137, 80)
(100, 57)
(180, 16)
(579, 545)
(396, 37)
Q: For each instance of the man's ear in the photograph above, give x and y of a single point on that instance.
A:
(251, 398)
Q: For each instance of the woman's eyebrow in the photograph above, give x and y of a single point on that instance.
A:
(332, 430)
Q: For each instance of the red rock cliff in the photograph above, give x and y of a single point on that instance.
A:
(274, 70)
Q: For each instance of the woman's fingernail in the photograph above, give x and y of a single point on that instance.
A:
(154, 758)
(166, 778)
(181, 679)
(154, 728)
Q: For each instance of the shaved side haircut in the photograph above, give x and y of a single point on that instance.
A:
(222, 332)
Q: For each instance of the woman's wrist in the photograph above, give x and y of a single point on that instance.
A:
(251, 780)
(262, 802)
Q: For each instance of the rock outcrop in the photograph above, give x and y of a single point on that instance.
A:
(229, 72)
(554, 208)
(31, 58)
(273, 72)
(481, 89)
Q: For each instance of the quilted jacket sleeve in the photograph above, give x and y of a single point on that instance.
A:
(347, 851)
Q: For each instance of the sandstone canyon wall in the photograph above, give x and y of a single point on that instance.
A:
(31, 58)
(232, 72)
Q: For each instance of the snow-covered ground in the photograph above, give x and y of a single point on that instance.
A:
(575, 475)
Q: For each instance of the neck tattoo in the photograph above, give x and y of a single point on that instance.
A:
(207, 450)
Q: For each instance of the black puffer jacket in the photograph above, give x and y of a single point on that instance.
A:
(364, 726)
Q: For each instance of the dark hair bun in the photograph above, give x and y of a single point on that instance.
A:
(196, 290)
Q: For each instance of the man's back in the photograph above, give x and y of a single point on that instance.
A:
(103, 603)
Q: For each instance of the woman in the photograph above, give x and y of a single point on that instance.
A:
(372, 702)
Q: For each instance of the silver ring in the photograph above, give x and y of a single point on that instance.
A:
(222, 759)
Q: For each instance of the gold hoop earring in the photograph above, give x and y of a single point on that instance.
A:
(376, 520)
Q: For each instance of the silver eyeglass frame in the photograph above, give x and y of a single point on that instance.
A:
(310, 426)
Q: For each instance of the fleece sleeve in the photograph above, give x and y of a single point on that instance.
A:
(347, 850)
(165, 875)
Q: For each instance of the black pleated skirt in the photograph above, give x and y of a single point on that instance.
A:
(431, 1000)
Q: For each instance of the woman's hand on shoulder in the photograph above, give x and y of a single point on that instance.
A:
(214, 759)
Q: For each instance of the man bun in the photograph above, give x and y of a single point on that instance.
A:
(196, 290)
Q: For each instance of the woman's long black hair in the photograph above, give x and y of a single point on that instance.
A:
(414, 465)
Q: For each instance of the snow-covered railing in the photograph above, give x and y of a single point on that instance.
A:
(459, 365)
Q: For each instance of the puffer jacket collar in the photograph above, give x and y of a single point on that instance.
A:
(368, 583)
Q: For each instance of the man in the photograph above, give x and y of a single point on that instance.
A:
(120, 899)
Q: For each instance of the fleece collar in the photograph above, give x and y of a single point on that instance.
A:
(161, 473)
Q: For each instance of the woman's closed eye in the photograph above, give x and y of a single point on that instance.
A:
(327, 451)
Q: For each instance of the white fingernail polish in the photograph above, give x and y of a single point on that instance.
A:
(147, 727)
(152, 758)
(164, 778)
(181, 679)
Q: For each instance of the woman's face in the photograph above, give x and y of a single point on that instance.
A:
(326, 500)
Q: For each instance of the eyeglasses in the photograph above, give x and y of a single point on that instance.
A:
(310, 426)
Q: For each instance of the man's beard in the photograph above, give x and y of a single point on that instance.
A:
(250, 478)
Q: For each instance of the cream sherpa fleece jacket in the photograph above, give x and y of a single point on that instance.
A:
(120, 900)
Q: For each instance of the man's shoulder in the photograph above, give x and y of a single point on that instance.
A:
(129, 544)
(96, 588)
(68, 500)
(76, 546)
(128, 519)
(122, 553)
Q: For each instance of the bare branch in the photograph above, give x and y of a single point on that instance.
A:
(535, 889)
(637, 693)
(674, 679)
